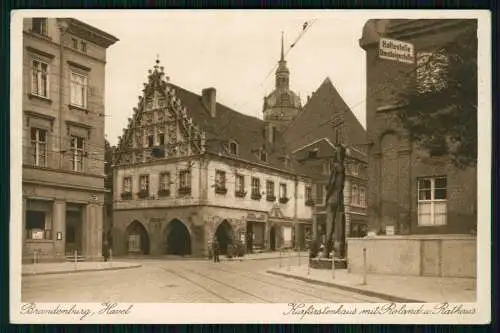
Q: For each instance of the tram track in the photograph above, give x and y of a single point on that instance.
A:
(200, 285)
(313, 297)
(267, 281)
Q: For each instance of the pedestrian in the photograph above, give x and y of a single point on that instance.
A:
(210, 252)
(216, 251)
(105, 252)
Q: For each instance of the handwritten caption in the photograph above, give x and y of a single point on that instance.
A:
(302, 310)
(105, 309)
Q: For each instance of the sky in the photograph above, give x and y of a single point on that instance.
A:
(232, 51)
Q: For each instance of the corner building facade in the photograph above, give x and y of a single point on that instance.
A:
(63, 138)
(189, 170)
(398, 169)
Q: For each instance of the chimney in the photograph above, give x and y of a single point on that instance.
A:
(208, 98)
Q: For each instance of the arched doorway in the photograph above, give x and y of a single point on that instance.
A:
(178, 239)
(137, 238)
(224, 235)
(272, 238)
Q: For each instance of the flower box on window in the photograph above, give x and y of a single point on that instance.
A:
(220, 190)
(164, 193)
(271, 198)
(143, 194)
(284, 200)
(240, 194)
(256, 196)
(184, 190)
(310, 202)
(127, 195)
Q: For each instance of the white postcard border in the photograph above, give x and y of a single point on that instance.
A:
(258, 313)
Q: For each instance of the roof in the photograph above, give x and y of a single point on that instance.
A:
(228, 125)
(325, 110)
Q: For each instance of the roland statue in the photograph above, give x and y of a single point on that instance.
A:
(335, 201)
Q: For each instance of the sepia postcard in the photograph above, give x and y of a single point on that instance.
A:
(230, 166)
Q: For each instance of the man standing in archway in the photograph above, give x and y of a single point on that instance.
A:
(216, 250)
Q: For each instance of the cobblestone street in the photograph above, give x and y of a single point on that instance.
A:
(178, 281)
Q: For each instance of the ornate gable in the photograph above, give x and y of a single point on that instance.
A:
(160, 127)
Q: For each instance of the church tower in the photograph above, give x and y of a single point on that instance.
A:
(282, 105)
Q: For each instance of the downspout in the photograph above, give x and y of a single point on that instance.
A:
(63, 25)
(295, 221)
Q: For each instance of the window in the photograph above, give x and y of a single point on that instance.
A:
(40, 79)
(312, 153)
(77, 152)
(431, 71)
(79, 90)
(185, 179)
(355, 195)
(308, 195)
(256, 188)
(233, 148)
(39, 147)
(39, 25)
(220, 179)
(240, 183)
(164, 184)
(320, 194)
(127, 185)
(161, 139)
(326, 168)
(144, 183)
(75, 43)
(283, 191)
(355, 169)
(432, 198)
(263, 156)
(83, 46)
(143, 186)
(35, 225)
(151, 140)
(362, 196)
(270, 190)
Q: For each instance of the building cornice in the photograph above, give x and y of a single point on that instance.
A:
(67, 186)
(40, 52)
(66, 48)
(83, 174)
(80, 66)
(89, 33)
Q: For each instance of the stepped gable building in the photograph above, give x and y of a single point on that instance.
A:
(326, 120)
(64, 63)
(282, 105)
(189, 170)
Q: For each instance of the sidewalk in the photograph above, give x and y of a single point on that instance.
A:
(270, 255)
(249, 256)
(70, 267)
(402, 289)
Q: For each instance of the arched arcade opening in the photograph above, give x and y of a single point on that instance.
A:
(178, 239)
(224, 235)
(137, 238)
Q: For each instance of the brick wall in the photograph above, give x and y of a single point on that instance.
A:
(394, 164)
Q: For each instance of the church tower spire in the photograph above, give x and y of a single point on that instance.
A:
(282, 105)
(282, 73)
(282, 49)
